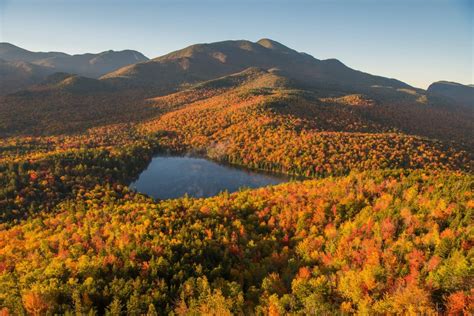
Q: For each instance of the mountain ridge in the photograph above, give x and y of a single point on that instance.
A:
(206, 61)
(45, 63)
(451, 92)
(11, 52)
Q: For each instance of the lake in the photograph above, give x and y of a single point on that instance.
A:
(168, 177)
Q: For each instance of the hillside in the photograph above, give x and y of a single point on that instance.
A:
(252, 119)
(82, 103)
(264, 124)
(18, 75)
(446, 93)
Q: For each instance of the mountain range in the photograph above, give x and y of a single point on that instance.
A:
(90, 89)
(20, 68)
(206, 61)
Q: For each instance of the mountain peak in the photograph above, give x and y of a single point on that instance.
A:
(445, 82)
(8, 49)
(271, 44)
(5, 45)
(453, 91)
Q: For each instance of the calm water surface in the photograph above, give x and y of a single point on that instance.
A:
(171, 177)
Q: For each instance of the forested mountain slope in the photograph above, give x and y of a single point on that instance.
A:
(73, 104)
(253, 119)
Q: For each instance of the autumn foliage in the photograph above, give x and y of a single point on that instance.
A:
(381, 224)
(367, 243)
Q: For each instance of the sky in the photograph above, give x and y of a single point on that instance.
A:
(415, 41)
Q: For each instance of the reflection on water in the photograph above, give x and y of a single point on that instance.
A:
(171, 177)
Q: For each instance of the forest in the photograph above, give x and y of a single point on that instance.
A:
(370, 242)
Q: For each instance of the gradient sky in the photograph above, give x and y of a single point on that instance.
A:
(412, 40)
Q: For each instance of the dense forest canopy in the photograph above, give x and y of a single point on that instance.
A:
(371, 242)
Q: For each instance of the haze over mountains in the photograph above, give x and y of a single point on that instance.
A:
(20, 68)
(16, 75)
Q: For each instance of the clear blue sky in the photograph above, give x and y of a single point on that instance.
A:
(412, 40)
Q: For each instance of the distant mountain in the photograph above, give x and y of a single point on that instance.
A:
(11, 52)
(447, 92)
(20, 68)
(71, 83)
(320, 91)
(89, 65)
(92, 65)
(208, 61)
(17, 75)
(202, 62)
